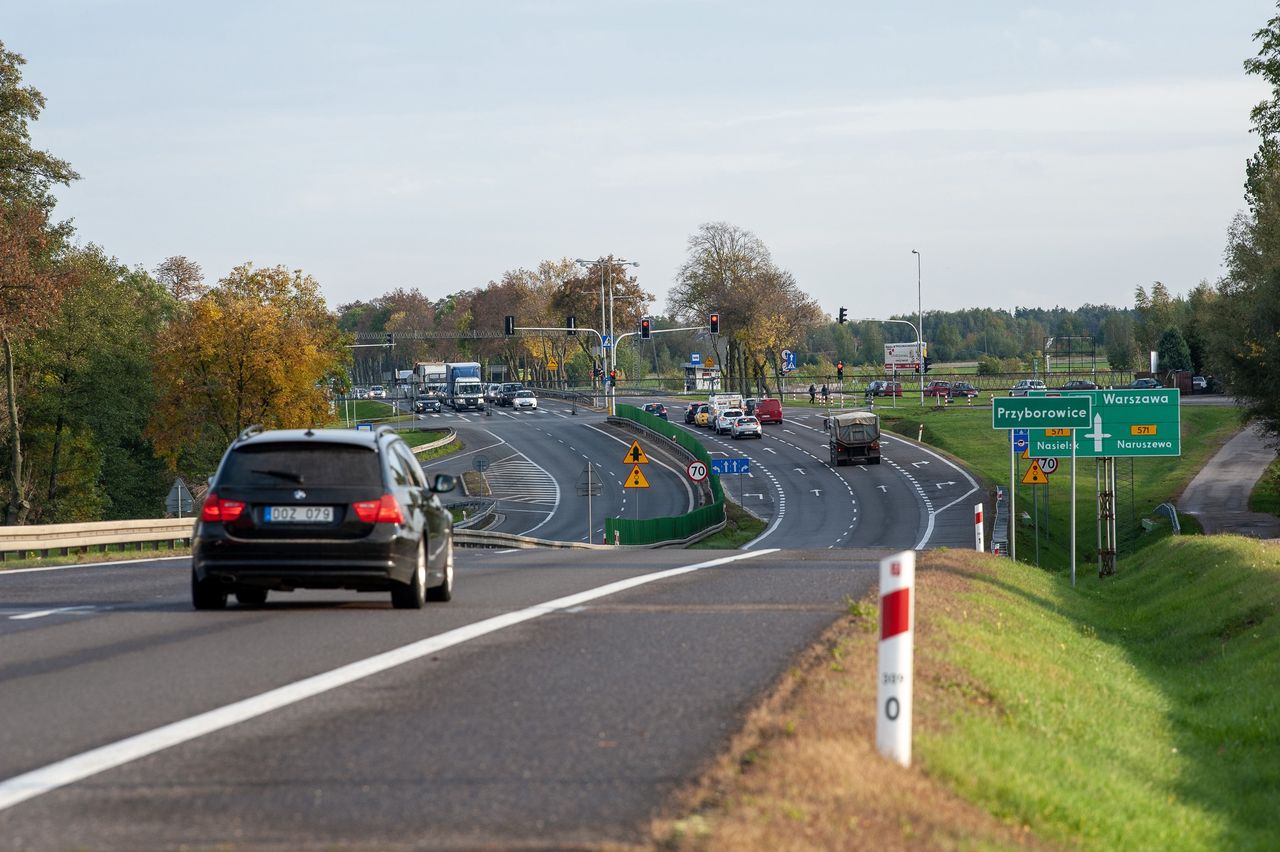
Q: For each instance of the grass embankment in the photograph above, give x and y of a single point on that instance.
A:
(1142, 711)
(1141, 484)
(740, 527)
(1265, 496)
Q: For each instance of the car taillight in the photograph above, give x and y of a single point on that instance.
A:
(382, 511)
(217, 509)
(875, 445)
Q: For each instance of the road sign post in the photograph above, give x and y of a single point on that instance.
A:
(1058, 413)
(897, 635)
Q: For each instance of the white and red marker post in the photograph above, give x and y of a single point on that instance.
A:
(897, 656)
(978, 543)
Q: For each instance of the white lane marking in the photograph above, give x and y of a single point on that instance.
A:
(555, 505)
(452, 456)
(43, 612)
(8, 571)
(47, 778)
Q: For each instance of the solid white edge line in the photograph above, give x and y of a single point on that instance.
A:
(37, 782)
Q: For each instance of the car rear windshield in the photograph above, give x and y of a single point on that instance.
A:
(312, 465)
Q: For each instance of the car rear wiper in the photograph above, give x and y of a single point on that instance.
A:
(280, 474)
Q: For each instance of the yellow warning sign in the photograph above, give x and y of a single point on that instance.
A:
(636, 479)
(553, 365)
(1034, 475)
(635, 455)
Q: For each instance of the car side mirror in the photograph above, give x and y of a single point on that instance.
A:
(443, 482)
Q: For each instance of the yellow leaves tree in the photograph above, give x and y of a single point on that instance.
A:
(259, 348)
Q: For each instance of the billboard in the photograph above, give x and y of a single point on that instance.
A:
(902, 356)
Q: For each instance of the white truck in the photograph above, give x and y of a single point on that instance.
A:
(463, 389)
(430, 379)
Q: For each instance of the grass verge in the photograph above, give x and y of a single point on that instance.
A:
(1140, 712)
(740, 527)
(1265, 496)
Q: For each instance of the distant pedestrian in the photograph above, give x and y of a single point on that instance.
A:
(826, 395)
(813, 393)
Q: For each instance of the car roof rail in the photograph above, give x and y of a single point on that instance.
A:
(250, 431)
(385, 428)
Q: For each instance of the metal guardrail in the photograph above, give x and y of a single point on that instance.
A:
(62, 539)
(1000, 525)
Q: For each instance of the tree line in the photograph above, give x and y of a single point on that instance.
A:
(116, 378)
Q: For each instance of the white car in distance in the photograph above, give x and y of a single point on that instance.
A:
(525, 399)
(746, 427)
(725, 419)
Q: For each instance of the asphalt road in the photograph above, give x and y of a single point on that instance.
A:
(516, 715)
(559, 699)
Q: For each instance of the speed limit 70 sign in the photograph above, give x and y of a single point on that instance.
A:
(697, 471)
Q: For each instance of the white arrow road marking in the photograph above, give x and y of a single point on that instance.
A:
(883, 488)
(753, 494)
(919, 464)
(941, 484)
(816, 491)
(800, 470)
(768, 450)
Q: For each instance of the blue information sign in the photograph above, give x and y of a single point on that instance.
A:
(696, 359)
(788, 361)
(729, 466)
(1021, 437)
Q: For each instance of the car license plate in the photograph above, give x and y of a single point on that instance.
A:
(299, 514)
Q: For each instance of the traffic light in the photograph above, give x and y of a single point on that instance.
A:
(510, 327)
(390, 339)
(840, 371)
(644, 328)
(844, 316)
(714, 322)
(572, 324)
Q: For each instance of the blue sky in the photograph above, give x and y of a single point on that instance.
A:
(1036, 155)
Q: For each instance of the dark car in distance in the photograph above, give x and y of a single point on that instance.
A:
(963, 389)
(1079, 385)
(322, 509)
(657, 409)
(1145, 384)
(691, 412)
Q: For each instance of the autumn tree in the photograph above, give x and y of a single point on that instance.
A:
(182, 277)
(585, 295)
(260, 347)
(730, 270)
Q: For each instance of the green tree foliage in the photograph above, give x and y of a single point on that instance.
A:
(1241, 333)
(258, 348)
(1117, 337)
(88, 380)
(1172, 351)
(30, 283)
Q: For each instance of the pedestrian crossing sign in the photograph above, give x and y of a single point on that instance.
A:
(636, 478)
(1034, 475)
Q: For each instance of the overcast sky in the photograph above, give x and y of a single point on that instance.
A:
(1035, 155)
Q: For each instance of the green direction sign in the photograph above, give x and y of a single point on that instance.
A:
(1126, 423)
(1040, 412)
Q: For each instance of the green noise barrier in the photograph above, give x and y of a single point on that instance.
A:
(677, 527)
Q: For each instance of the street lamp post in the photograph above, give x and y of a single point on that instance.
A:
(611, 362)
(920, 332)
